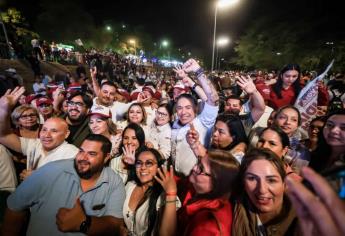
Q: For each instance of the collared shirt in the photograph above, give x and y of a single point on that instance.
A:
(160, 137)
(181, 153)
(36, 157)
(57, 185)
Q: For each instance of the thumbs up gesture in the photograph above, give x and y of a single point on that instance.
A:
(69, 219)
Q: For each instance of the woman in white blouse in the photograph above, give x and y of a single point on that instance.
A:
(159, 135)
(151, 201)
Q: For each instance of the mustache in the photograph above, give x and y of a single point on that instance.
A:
(83, 162)
(74, 110)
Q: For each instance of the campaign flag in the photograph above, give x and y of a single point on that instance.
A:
(306, 101)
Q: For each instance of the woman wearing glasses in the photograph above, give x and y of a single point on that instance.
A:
(151, 202)
(159, 136)
(25, 118)
(206, 208)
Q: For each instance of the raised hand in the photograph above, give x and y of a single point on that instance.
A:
(93, 72)
(191, 66)
(180, 73)
(322, 213)
(10, 98)
(69, 219)
(128, 155)
(192, 136)
(246, 84)
(141, 98)
(166, 179)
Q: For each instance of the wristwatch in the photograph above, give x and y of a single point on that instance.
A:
(85, 225)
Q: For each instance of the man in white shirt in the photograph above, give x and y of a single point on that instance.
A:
(51, 145)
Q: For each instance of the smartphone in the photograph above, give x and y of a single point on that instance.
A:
(335, 176)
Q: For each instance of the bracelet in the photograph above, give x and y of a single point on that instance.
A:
(170, 194)
(170, 201)
(194, 86)
(199, 72)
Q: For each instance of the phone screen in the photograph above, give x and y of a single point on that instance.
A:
(336, 178)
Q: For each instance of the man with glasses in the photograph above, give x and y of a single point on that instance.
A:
(78, 105)
(50, 146)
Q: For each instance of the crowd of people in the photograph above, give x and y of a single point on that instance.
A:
(129, 150)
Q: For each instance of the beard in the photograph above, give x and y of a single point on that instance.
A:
(75, 119)
(234, 112)
(83, 175)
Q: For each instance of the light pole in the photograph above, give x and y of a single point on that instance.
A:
(221, 42)
(220, 4)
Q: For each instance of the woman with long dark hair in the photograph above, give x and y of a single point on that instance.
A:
(228, 134)
(133, 137)
(330, 151)
(206, 208)
(151, 202)
(286, 89)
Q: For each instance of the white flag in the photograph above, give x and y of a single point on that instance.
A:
(306, 101)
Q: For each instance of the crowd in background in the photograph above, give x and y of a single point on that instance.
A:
(156, 151)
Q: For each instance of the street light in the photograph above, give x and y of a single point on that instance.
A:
(108, 27)
(220, 4)
(221, 42)
(133, 42)
(165, 43)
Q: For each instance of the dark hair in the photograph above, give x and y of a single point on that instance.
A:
(235, 98)
(106, 144)
(224, 170)
(299, 122)
(278, 86)
(192, 100)
(152, 193)
(86, 98)
(262, 154)
(143, 110)
(320, 156)
(139, 133)
(235, 127)
(168, 107)
(284, 138)
(319, 118)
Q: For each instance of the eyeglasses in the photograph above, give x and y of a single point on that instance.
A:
(161, 114)
(148, 164)
(28, 116)
(78, 104)
(199, 169)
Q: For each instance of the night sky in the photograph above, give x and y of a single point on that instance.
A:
(189, 23)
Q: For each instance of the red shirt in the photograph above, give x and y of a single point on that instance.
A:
(288, 98)
(204, 216)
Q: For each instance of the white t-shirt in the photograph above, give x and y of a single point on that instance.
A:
(33, 149)
(182, 155)
(141, 221)
(160, 137)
